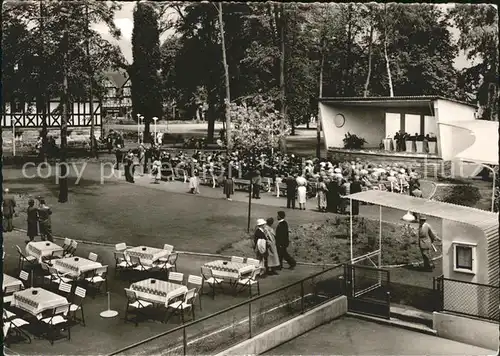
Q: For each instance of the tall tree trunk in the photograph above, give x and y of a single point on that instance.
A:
(43, 88)
(282, 77)
(387, 64)
(63, 181)
(368, 76)
(347, 84)
(318, 119)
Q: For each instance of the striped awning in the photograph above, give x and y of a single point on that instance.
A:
(485, 220)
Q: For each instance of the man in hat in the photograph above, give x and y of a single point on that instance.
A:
(8, 210)
(426, 238)
(291, 189)
(32, 220)
(283, 241)
(44, 214)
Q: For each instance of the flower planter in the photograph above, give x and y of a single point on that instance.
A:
(432, 147)
(419, 145)
(394, 145)
(409, 146)
(387, 144)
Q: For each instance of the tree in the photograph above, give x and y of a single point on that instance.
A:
(478, 25)
(144, 72)
(257, 125)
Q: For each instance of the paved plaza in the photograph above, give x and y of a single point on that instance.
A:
(351, 336)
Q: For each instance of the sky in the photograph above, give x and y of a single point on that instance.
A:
(124, 21)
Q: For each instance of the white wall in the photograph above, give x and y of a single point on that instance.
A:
(430, 125)
(392, 123)
(449, 144)
(365, 122)
(412, 124)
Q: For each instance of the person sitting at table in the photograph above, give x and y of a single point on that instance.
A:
(32, 220)
(156, 171)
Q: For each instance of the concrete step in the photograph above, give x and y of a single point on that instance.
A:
(417, 327)
(412, 316)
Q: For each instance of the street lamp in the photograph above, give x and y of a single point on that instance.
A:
(155, 119)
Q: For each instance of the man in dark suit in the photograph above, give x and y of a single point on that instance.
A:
(355, 188)
(283, 241)
(8, 211)
(291, 188)
(44, 213)
(256, 184)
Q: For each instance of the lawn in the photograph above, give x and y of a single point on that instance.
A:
(117, 211)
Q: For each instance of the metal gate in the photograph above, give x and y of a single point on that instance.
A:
(367, 290)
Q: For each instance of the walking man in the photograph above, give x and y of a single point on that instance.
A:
(291, 187)
(426, 238)
(283, 241)
(44, 214)
(8, 210)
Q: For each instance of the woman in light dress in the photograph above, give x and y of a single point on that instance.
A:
(156, 170)
(302, 191)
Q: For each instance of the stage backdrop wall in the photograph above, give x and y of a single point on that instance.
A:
(368, 123)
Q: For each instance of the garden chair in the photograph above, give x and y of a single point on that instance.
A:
(29, 261)
(121, 246)
(181, 305)
(99, 277)
(12, 323)
(93, 256)
(167, 264)
(196, 281)
(56, 254)
(77, 304)
(24, 277)
(209, 278)
(70, 252)
(8, 293)
(65, 290)
(121, 263)
(135, 305)
(250, 282)
(253, 262)
(138, 266)
(58, 322)
(66, 244)
(176, 277)
(237, 259)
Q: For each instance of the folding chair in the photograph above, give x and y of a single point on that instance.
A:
(77, 304)
(184, 304)
(250, 282)
(136, 304)
(8, 293)
(93, 256)
(11, 322)
(65, 290)
(176, 277)
(57, 322)
(30, 261)
(198, 282)
(55, 255)
(208, 277)
(56, 277)
(121, 263)
(24, 276)
(99, 278)
(121, 246)
(172, 262)
(138, 266)
(70, 252)
(66, 244)
(168, 247)
(237, 259)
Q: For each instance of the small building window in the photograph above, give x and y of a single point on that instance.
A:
(464, 257)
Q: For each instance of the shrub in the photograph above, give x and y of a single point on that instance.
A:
(352, 141)
(463, 194)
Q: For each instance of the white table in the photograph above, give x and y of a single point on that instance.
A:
(157, 291)
(9, 281)
(148, 255)
(41, 249)
(229, 270)
(37, 300)
(75, 266)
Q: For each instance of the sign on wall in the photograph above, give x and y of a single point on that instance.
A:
(28, 116)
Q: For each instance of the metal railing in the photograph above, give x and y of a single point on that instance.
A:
(468, 298)
(219, 331)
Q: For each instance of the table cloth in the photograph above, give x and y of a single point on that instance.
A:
(157, 291)
(229, 270)
(41, 249)
(11, 281)
(75, 266)
(148, 255)
(37, 303)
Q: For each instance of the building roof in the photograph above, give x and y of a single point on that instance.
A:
(117, 78)
(390, 101)
(485, 220)
(485, 147)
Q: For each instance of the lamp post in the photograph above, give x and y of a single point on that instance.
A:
(155, 119)
(14, 137)
(138, 129)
